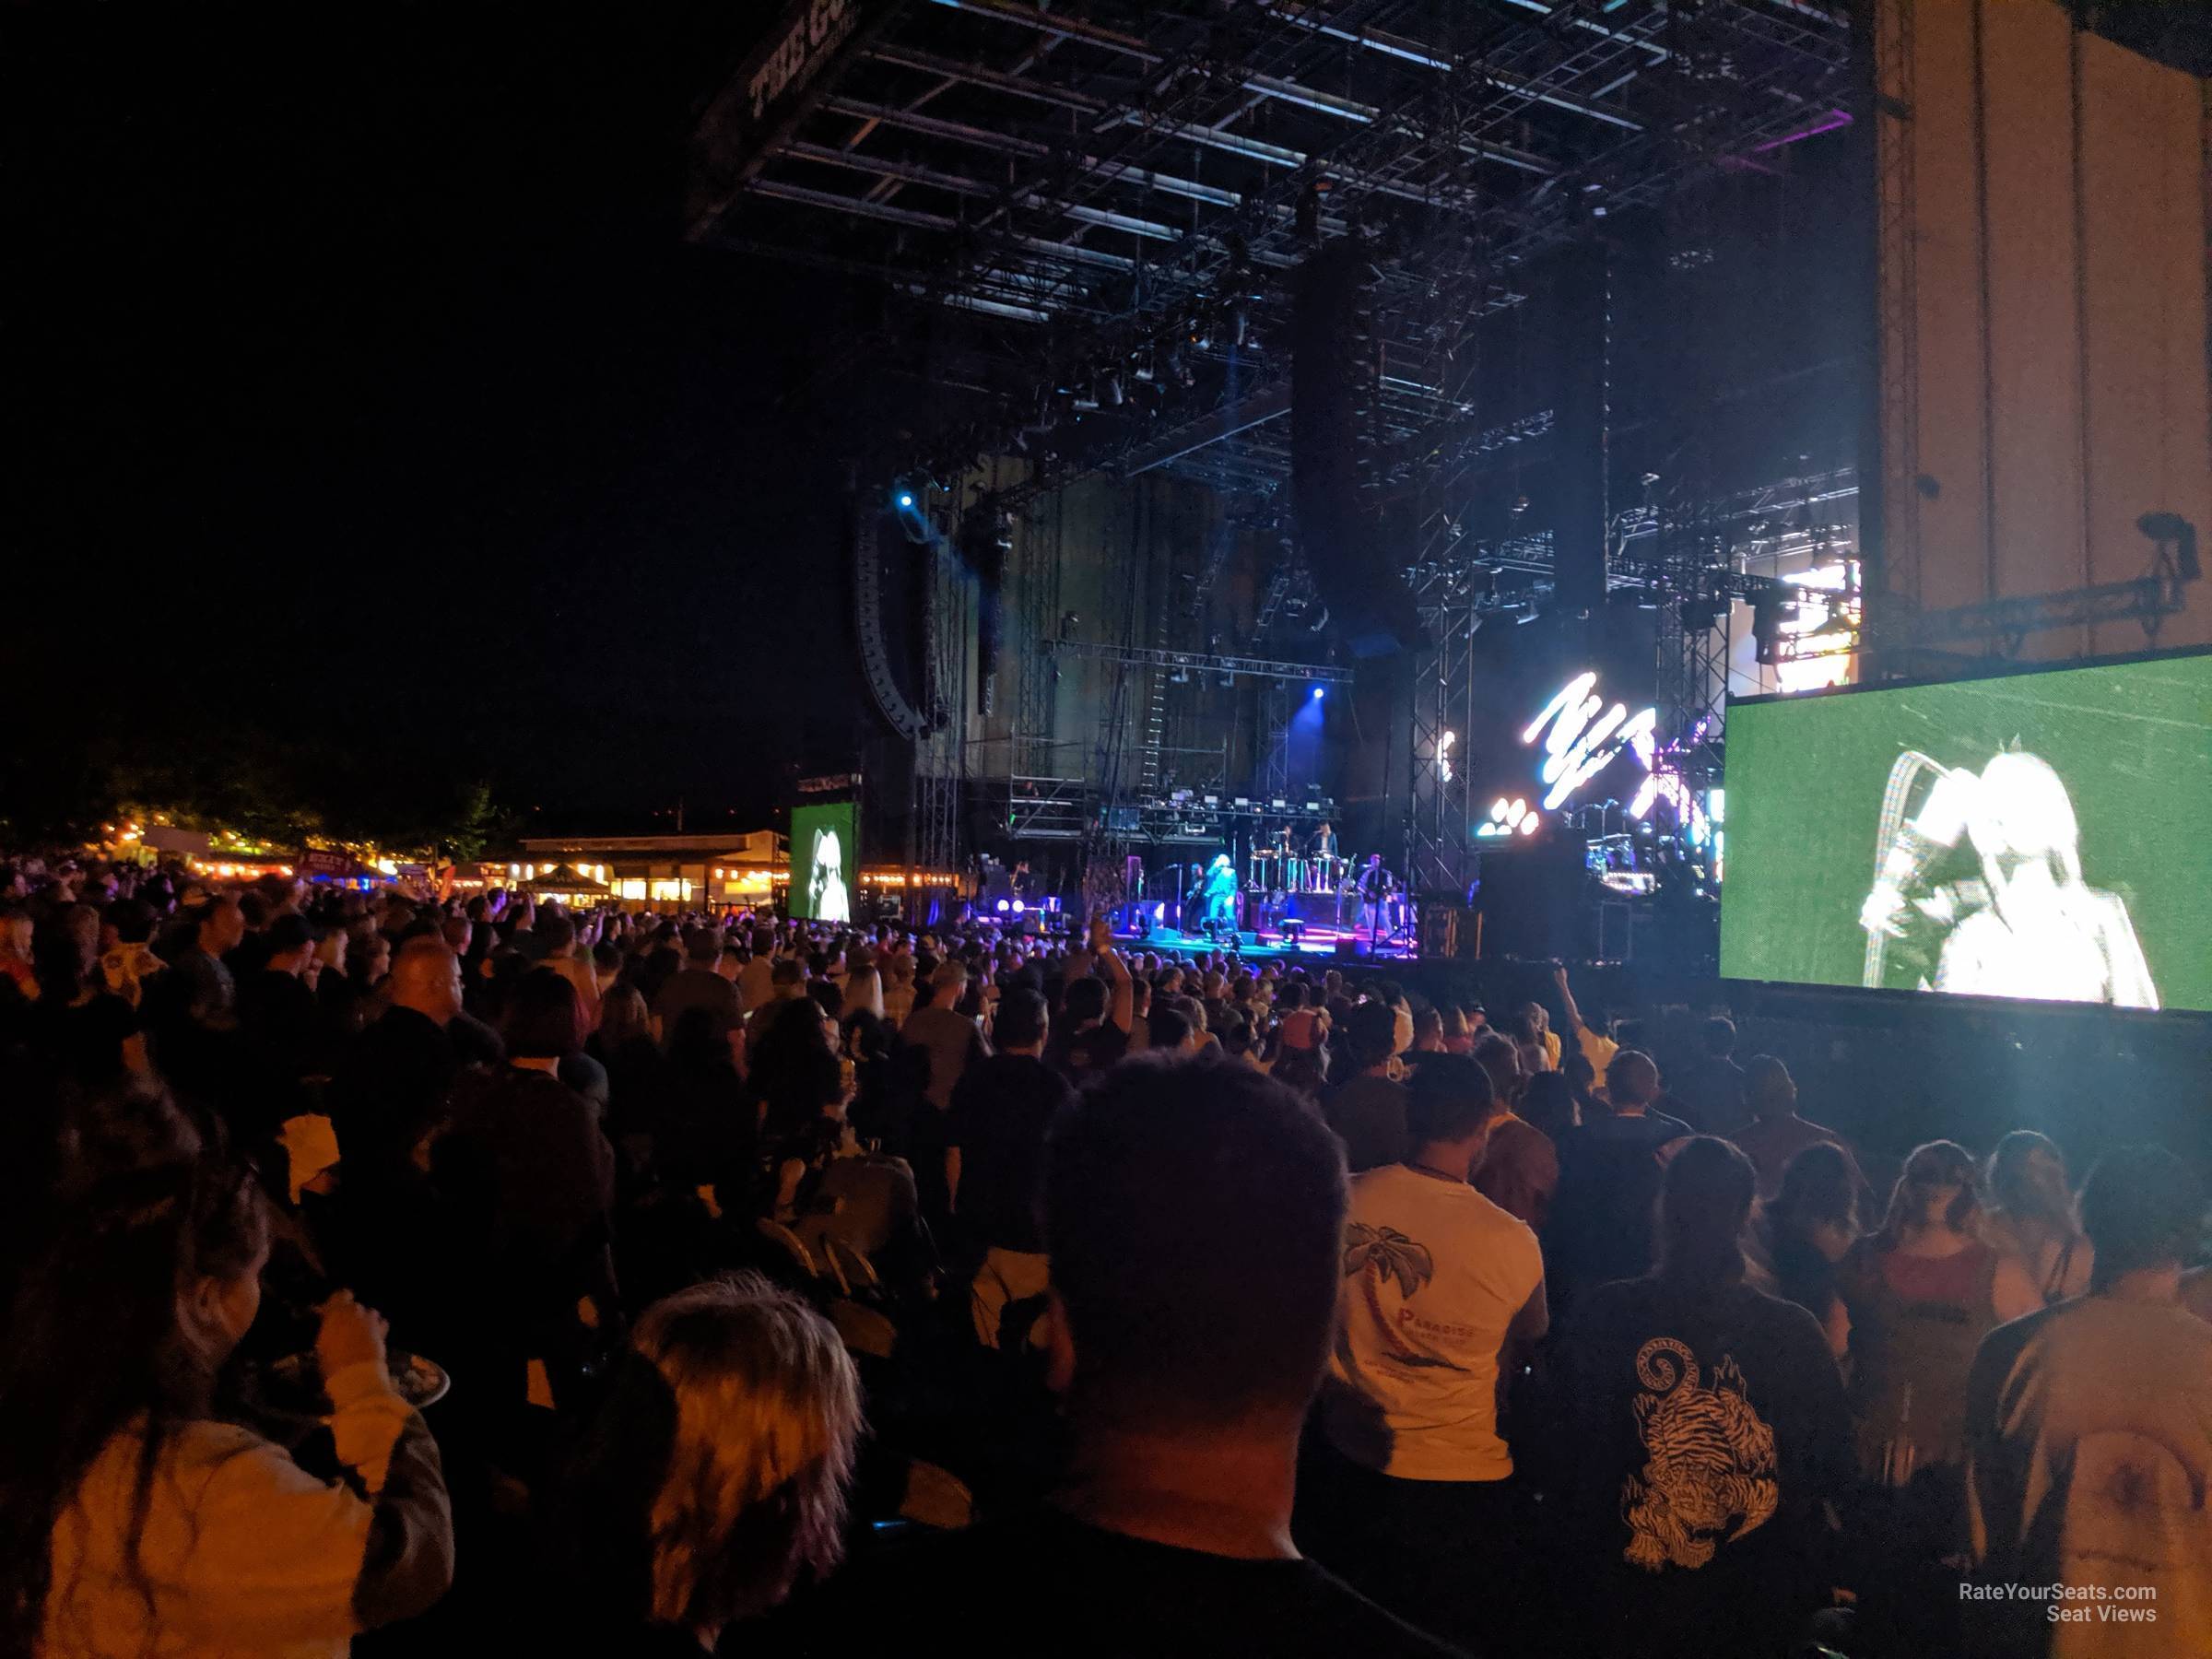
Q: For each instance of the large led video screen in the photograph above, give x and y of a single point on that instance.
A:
(825, 860)
(2043, 835)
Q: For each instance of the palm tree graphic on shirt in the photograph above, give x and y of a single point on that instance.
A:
(1379, 1255)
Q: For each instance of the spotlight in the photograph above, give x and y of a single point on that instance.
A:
(913, 518)
(1320, 692)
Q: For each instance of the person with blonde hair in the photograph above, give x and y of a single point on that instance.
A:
(2031, 1218)
(897, 975)
(715, 1474)
(864, 983)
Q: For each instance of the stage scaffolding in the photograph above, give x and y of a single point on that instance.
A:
(941, 756)
(1102, 204)
(1439, 857)
(1100, 208)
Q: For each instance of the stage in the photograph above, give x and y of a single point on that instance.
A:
(1318, 942)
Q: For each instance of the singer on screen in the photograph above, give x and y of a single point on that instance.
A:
(2018, 920)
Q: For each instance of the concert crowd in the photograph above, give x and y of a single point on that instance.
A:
(407, 1274)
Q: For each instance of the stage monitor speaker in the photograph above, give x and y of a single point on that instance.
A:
(1352, 947)
(1531, 898)
(1447, 930)
(1335, 382)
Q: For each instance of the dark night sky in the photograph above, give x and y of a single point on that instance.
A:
(370, 413)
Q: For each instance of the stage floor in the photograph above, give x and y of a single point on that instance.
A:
(1318, 941)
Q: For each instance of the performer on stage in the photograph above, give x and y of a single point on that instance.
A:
(1319, 871)
(1221, 891)
(1374, 880)
(1375, 885)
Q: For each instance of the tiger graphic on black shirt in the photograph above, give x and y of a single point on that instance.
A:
(1709, 1465)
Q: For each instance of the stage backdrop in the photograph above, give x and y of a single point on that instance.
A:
(825, 860)
(2043, 312)
(2101, 771)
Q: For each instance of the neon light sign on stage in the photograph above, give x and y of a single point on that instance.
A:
(1582, 742)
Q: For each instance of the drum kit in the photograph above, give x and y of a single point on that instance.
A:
(1275, 870)
(1278, 876)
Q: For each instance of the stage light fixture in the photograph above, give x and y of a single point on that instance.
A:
(906, 499)
(1702, 614)
(2171, 528)
(1320, 692)
(1769, 609)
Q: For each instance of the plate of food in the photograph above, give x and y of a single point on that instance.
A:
(418, 1381)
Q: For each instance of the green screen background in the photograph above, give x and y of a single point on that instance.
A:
(841, 816)
(2133, 742)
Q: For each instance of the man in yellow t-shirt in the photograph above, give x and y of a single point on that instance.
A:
(1598, 1048)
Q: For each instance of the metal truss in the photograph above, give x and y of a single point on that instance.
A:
(1200, 662)
(1216, 819)
(1440, 861)
(1046, 808)
(1275, 738)
(1895, 574)
(2145, 599)
(1697, 581)
(1103, 200)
